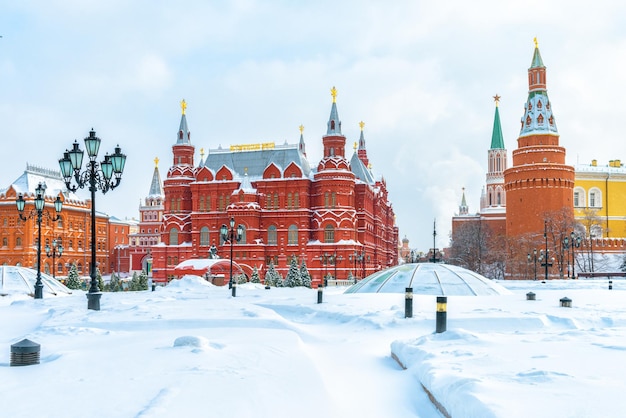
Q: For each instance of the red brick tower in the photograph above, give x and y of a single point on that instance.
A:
(538, 182)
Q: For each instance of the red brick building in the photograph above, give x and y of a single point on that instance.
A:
(330, 216)
(72, 231)
(148, 232)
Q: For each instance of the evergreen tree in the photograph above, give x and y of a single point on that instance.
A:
(114, 284)
(271, 275)
(73, 280)
(350, 277)
(99, 279)
(143, 280)
(134, 283)
(241, 279)
(293, 278)
(279, 280)
(255, 278)
(305, 276)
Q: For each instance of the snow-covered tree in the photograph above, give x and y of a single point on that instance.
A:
(240, 279)
(272, 278)
(293, 278)
(255, 278)
(99, 279)
(73, 280)
(143, 280)
(350, 277)
(134, 283)
(305, 276)
(114, 284)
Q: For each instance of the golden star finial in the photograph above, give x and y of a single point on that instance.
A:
(301, 127)
(361, 124)
(354, 145)
(496, 99)
(183, 105)
(333, 92)
(156, 162)
(536, 42)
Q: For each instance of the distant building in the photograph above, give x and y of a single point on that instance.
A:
(539, 202)
(148, 230)
(72, 231)
(327, 216)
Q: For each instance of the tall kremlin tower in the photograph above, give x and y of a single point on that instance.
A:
(538, 182)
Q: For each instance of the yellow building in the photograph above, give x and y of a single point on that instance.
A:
(600, 199)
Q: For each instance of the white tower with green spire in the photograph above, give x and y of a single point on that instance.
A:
(494, 198)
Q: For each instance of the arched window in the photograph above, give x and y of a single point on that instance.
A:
(18, 241)
(595, 198)
(296, 201)
(271, 235)
(243, 235)
(498, 199)
(204, 236)
(292, 235)
(174, 236)
(329, 234)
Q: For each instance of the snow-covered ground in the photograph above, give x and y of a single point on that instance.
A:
(191, 349)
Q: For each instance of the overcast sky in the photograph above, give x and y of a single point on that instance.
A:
(420, 74)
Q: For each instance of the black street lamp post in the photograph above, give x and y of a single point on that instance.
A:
(231, 235)
(336, 258)
(55, 251)
(575, 243)
(103, 176)
(534, 258)
(565, 247)
(546, 261)
(38, 212)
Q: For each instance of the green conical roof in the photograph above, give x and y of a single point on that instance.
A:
(537, 61)
(497, 141)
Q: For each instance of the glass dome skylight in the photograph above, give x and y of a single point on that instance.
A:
(21, 280)
(429, 279)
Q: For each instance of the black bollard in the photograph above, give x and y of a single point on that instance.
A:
(408, 303)
(153, 286)
(442, 313)
(530, 296)
(234, 289)
(320, 289)
(566, 302)
(610, 284)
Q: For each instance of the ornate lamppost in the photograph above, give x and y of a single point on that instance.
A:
(55, 251)
(231, 235)
(103, 176)
(38, 212)
(565, 247)
(575, 243)
(546, 261)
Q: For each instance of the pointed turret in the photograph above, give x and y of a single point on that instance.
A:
(334, 124)
(184, 136)
(538, 117)
(362, 150)
(183, 150)
(156, 187)
(497, 140)
(302, 145)
(334, 141)
(463, 209)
